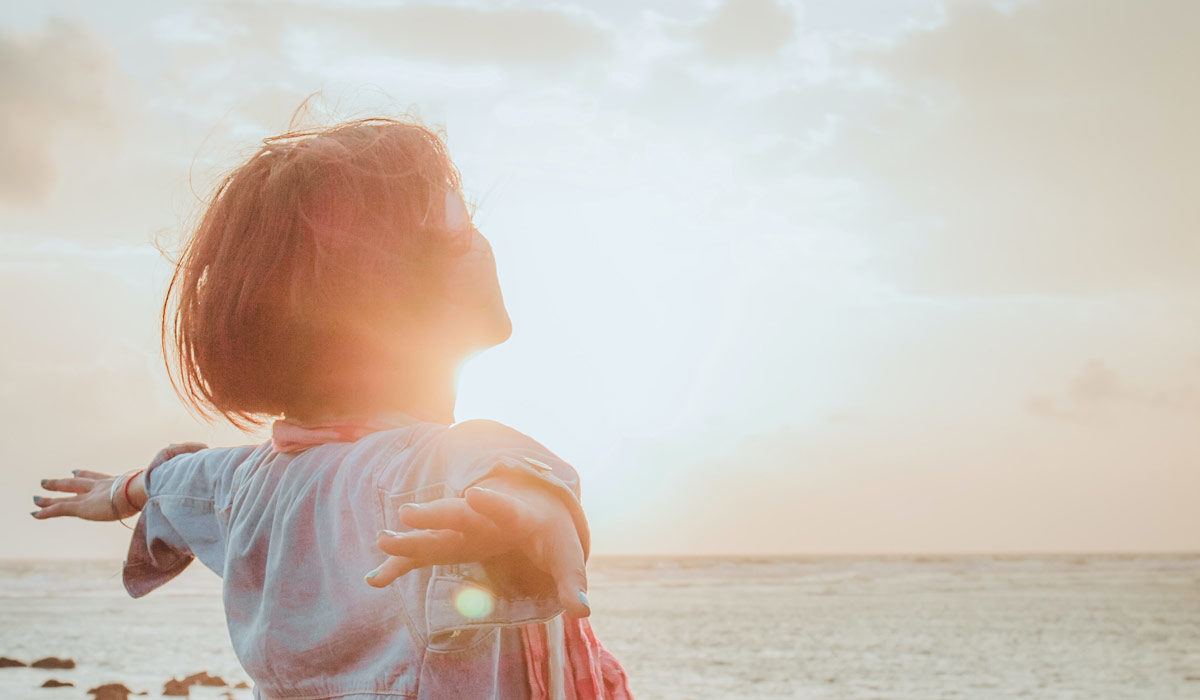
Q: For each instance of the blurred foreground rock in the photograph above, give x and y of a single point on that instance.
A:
(54, 662)
(177, 688)
(203, 678)
(52, 683)
(110, 691)
(6, 662)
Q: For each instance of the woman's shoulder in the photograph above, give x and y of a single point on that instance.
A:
(485, 439)
(486, 431)
(458, 455)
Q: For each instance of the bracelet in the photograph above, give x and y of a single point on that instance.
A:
(128, 481)
(112, 498)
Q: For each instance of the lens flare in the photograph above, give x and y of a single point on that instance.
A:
(474, 602)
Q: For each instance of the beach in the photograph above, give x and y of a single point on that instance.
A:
(904, 627)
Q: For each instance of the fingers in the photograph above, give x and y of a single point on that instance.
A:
(509, 513)
(570, 577)
(85, 474)
(429, 547)
(390, 570)
(58, 508)
(559, 554)
(442, 514)
(44, 501)
(487, 523)
(73, 485)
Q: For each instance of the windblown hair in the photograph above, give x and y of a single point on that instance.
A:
(305, 251)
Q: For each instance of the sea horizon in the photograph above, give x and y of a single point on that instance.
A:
(789, 555)
(687, 627)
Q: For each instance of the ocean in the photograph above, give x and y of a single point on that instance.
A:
(903, 627)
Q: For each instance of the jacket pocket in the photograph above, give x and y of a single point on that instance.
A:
(460, 607)
(410, 590)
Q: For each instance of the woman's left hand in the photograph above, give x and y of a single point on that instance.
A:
(500, 516)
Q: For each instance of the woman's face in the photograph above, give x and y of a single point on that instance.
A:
(472, 287)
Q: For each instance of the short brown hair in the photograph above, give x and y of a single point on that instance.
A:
(322, 236)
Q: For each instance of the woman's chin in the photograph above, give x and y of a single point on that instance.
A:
(503, 329)
(493, 325)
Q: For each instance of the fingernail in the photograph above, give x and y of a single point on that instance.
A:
(44, 481)
(372, 573)
(583, 599)
(34, 513)
(74, 471)
(412, 505)
(37, 499)
(389, 533)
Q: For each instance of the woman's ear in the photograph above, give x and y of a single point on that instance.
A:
(455, 216)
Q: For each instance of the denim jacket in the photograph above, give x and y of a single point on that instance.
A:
(291, 535)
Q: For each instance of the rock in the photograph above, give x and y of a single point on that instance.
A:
(110, 691)
(204, 679)
(6, 662)
(58, 684)
(54, 662)
(176, 688)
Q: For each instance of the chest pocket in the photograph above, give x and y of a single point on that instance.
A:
(461, 608)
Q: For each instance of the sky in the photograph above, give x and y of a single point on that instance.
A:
(848, 276)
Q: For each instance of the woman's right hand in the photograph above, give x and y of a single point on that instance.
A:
(94, 498)
(90, 502)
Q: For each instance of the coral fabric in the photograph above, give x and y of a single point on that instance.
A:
(290, 437)
(591, 672)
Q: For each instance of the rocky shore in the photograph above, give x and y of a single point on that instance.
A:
(173, 687)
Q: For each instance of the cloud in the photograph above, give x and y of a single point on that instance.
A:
(1050, 147)
(1095, 392)
(55, 82)
(447, 34)
(746, 28)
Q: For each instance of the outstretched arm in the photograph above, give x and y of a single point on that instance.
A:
(101, 496)
(500, 515)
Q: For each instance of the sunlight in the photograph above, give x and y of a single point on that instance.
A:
(474, 602)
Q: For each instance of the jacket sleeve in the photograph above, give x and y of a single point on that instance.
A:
(186, 517)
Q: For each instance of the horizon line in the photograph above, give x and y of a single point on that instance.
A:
(788, 555)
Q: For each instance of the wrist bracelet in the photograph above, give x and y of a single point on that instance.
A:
(125, 490)
(112, 499)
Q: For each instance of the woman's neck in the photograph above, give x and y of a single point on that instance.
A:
(430, 399)
(426, 391)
